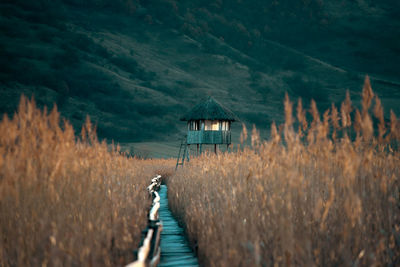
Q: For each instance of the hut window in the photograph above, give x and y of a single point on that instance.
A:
(224, 126)
(215, 126)
(212, 125)
(194, 126)
(207, 125)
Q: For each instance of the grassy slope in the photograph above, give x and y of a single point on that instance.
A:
(136, 74)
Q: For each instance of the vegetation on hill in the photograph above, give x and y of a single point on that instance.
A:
(67, 200)
(323, 192)
(136, 66)
(56, 58)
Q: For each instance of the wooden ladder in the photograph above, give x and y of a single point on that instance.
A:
(184, 145)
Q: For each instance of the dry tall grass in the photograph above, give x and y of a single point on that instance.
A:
(64, 200)
(310, 196)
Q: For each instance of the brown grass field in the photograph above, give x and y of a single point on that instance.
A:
(68, 200)
(318, 193)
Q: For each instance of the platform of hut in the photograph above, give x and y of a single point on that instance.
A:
(175, 249)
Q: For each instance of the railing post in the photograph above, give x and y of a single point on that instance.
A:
(149, 253)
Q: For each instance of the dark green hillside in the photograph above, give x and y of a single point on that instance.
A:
(136, 66)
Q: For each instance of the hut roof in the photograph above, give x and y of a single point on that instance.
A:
(209, 110)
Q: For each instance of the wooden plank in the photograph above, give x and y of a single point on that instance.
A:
(175, 249)
(165, 240)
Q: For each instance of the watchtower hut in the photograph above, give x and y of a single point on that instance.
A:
(208, 123)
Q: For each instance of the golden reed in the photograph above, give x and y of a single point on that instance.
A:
(67, 200)
(317, 193)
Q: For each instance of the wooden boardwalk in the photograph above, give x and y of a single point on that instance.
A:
(175, 250)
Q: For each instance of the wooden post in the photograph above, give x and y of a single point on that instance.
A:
(197, 150)
(215, 149)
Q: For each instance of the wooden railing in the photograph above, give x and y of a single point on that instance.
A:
(209, 137)
(149, 252)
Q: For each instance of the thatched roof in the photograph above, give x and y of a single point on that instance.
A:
(209, 110)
